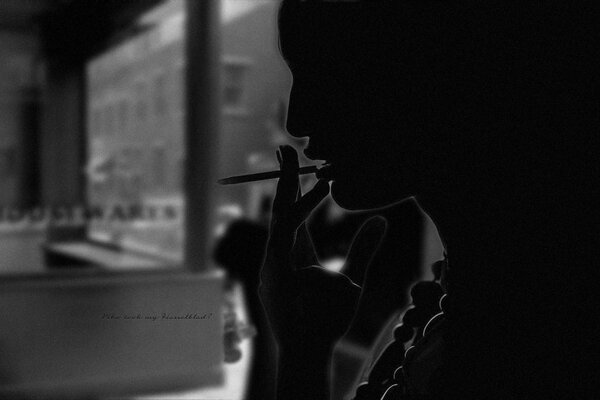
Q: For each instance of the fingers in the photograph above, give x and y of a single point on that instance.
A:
(287, 188)
(289, 202)
(363, 248)
(288, 215)
(284, 226)
(303, 253)
(307, 203)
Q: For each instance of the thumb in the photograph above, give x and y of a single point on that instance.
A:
(363, 248)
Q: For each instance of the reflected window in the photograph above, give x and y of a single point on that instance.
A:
(234, 86)
(96, 122)
(130, 171)
(139, 87)
(159, 166)
(110, 120)
(141, 97)
(123, 116)
(7, 162)
(177, 88)
(160, 94)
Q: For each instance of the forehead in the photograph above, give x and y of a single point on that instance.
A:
(321, 31)
(362, 37)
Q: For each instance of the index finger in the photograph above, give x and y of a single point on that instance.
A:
(276, 270)
(287, 187)
(287, 248)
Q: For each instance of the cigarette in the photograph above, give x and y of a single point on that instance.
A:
(263, 176)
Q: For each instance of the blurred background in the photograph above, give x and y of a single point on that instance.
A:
(93, 115)
(116, 119)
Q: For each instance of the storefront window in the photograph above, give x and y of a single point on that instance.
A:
(136, 121)
(129, 169)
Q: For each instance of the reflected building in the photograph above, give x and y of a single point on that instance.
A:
(135, 118)
(19, 105)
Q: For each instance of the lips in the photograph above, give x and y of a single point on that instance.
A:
(311, 153)
(326, 172)
(315, 151)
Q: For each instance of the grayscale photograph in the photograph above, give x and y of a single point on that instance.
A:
(299, 199)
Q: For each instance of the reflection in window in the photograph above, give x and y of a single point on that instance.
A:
(145, 76)
(177, 88)
(160, 94)
(7, 162)
(123, 116)
(131, 169)
(159, 166)
(234, 77)
(110, 120)
(96, 123)
(141, 97)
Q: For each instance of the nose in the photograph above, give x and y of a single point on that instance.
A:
(301, 113)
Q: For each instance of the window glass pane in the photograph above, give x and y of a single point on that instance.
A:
(136, 149)
(234, 85)
(123, 109)
(141, 97)
(110, 119)
(160, 94)
(132, 174)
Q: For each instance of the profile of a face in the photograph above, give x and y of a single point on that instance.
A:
(360, 104)
(419, 98)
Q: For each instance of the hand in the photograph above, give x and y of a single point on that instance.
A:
(309, 306)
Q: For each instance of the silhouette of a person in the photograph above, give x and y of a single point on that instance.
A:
(487, 113)
(240, 251)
